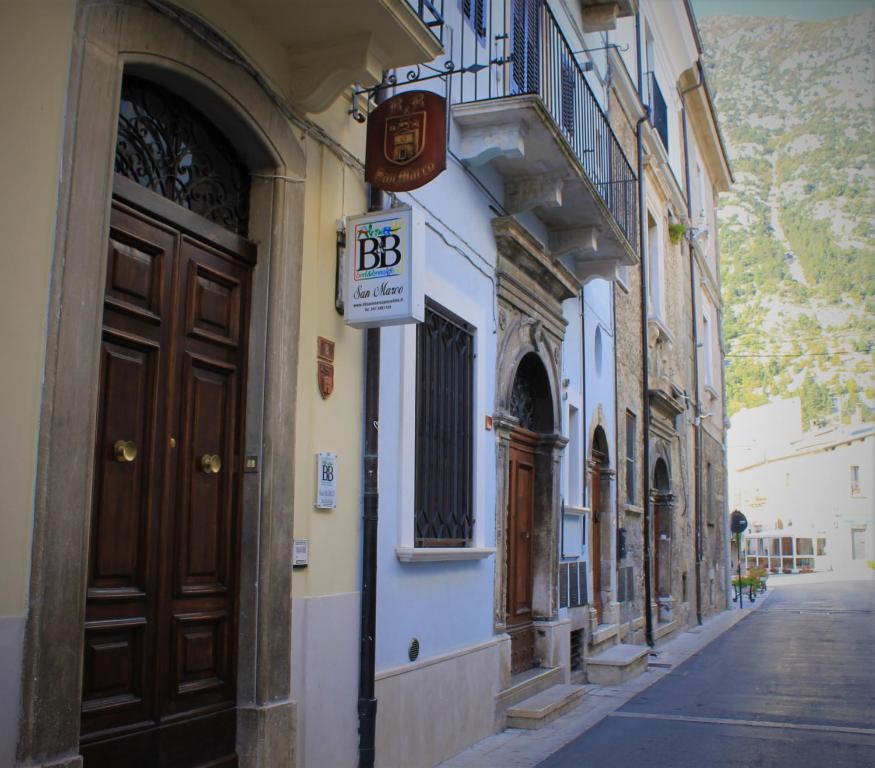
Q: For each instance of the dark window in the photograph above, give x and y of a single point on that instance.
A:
(709, 494)
(475, 12)
(444, 414)
(169, 147)
(631, 433)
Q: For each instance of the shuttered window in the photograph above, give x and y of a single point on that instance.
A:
(631, 434)
(475, 12)
(444, 414)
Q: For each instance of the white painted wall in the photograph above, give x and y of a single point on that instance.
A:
(447, 606)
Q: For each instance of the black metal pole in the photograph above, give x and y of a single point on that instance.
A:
(740, 592)
(367, 701)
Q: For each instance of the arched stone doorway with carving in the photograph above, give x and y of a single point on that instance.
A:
(661, 509)
(600, 524)
(530, 289)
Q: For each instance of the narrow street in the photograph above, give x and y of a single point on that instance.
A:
(791, 685)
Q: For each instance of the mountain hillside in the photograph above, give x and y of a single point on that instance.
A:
(797, 231)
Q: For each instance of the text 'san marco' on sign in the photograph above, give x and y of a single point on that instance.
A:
(384, 258)
(407, 141)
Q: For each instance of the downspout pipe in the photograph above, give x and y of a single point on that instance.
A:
(367, 701)
(645, 362)
(694, 340)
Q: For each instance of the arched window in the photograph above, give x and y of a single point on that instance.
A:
(530, 396)
(166, 145)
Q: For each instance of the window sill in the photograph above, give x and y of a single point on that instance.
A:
(440, 554)
(633, 509)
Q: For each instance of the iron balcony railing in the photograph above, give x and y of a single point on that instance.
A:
(658, 111)
(522, 50)
(432, 14)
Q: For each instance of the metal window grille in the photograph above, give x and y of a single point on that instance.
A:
(631, 431)
(572, 584)
(167, 146)
(444, 412)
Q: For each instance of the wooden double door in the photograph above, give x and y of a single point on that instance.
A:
(160, 646)
(520, 564)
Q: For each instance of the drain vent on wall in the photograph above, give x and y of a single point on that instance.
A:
(413, 649)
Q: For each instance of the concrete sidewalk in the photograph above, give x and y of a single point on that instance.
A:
(517, 748)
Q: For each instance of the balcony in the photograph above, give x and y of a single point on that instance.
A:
(431, 13)
(311, 50)
(534, 119)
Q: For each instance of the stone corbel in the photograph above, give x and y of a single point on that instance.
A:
(528, 192)
(576, 244)
(479, 145)
(317, 76)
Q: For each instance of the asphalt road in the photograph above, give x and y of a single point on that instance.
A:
(791, 685)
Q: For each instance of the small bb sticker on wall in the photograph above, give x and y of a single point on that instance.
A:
(326, 480)
(383, 268)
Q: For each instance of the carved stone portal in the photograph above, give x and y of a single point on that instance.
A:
(531, 286)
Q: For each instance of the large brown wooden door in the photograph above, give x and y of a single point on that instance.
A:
(159, 663)
(595, 551)
(520, 524)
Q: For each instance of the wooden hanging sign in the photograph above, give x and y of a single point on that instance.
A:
(407, 141)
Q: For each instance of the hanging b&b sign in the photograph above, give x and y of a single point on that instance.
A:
(407, 141)
(384, 261)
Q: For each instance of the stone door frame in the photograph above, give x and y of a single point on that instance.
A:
(109, 39)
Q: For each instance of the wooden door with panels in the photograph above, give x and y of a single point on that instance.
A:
(595, 551)
(520, 526)
(160, 651)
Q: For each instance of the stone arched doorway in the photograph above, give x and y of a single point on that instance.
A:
(600, 535)
(661, 525)
(121, 39)
(528, 504)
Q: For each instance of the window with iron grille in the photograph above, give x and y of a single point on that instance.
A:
(475, 12)
(631, 433)
(444, 413)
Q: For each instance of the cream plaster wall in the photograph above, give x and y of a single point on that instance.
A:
(333, 190)
(35, 39)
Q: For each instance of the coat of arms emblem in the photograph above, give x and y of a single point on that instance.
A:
(404, 137)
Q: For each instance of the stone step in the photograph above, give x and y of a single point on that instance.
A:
(617, 664)
(527, 684)
(544, 707)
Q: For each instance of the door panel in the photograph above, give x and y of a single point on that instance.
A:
(520, 525)
(596, 542)
(161, 617)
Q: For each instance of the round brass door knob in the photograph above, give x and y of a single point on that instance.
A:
(125, 450)
(211, 463)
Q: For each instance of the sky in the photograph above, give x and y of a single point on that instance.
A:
(806, 10)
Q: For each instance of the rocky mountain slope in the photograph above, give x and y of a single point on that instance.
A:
(797, 231)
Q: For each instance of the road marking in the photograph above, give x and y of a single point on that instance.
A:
(754, 723)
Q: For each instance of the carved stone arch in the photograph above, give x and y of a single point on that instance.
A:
(660, 468)
(510, 366)
(114, 37)
(599, 422)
